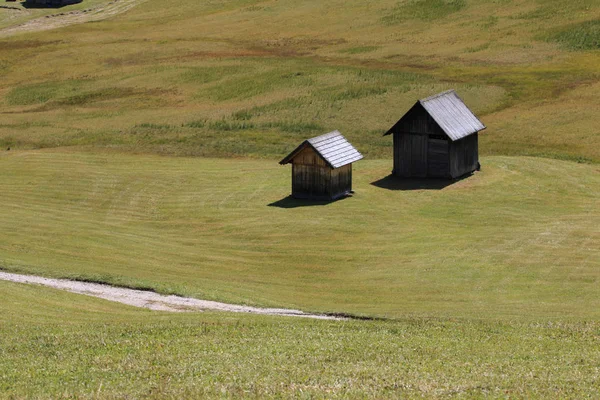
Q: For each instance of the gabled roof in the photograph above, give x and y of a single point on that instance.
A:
(451, 114)
(332, 146)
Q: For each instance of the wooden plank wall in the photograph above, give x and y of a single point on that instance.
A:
(464, 156)
(310, 181)
(341, 181)
(411, 145)
(313, 178)
(311, 175)
(418, 120)
(418, 165)
(422, 149)
(438, 157)
(309, 157)
(410, 155)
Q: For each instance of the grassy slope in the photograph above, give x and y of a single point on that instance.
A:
(12, 14)
(518, 240)
(105, 350)
(181, 77)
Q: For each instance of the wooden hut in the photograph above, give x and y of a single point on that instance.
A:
(322, 167)
(436, 138)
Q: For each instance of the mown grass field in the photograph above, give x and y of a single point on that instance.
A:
(105, 350)
(519, 239)
(143, 153)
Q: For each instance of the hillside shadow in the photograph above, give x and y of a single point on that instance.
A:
(392, 182)
(292, 202)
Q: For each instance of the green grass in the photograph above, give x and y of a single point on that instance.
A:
(490, 284)
(30, 94)
(583, 36)
(496, 245)
(207, 74)
(55, 344)
(424, 10)
(304, 66)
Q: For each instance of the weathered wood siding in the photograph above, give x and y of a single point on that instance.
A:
(309, 157)
(464, 156)
(438, 157)
(411, 145)
(410, 155)
(422, 149)
(310, 175)
(417, 120)
(313, 178)
(341, 181)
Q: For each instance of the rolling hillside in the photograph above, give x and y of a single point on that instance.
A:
(246, 77)
(517, 240)
(138, 147)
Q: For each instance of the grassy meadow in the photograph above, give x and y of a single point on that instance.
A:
(181, 78)
(517, 240)
(143, 153)
(106, 350)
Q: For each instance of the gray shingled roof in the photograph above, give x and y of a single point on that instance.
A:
(332, 146)
(452, 115)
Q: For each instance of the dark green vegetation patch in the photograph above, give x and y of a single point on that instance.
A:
(39, 93)
(583, 36)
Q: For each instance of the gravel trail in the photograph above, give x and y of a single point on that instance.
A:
(151, 300)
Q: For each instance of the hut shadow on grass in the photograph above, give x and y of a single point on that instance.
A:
(55, 5)
(292, 202)
(392, 182)
(33, 5)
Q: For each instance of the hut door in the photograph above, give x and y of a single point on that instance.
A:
(410, 155)
(438, 158)
(418, 159)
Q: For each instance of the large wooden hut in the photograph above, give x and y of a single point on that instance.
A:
(436, 138)
(322, 167)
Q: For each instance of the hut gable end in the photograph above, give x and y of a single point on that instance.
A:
(417, 120)
(332, 147)
(308, 156)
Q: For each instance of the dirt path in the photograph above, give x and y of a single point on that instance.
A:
(61, 19)
(151, 300)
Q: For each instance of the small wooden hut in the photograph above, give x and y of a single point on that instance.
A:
(436, 138)
(322, 167)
